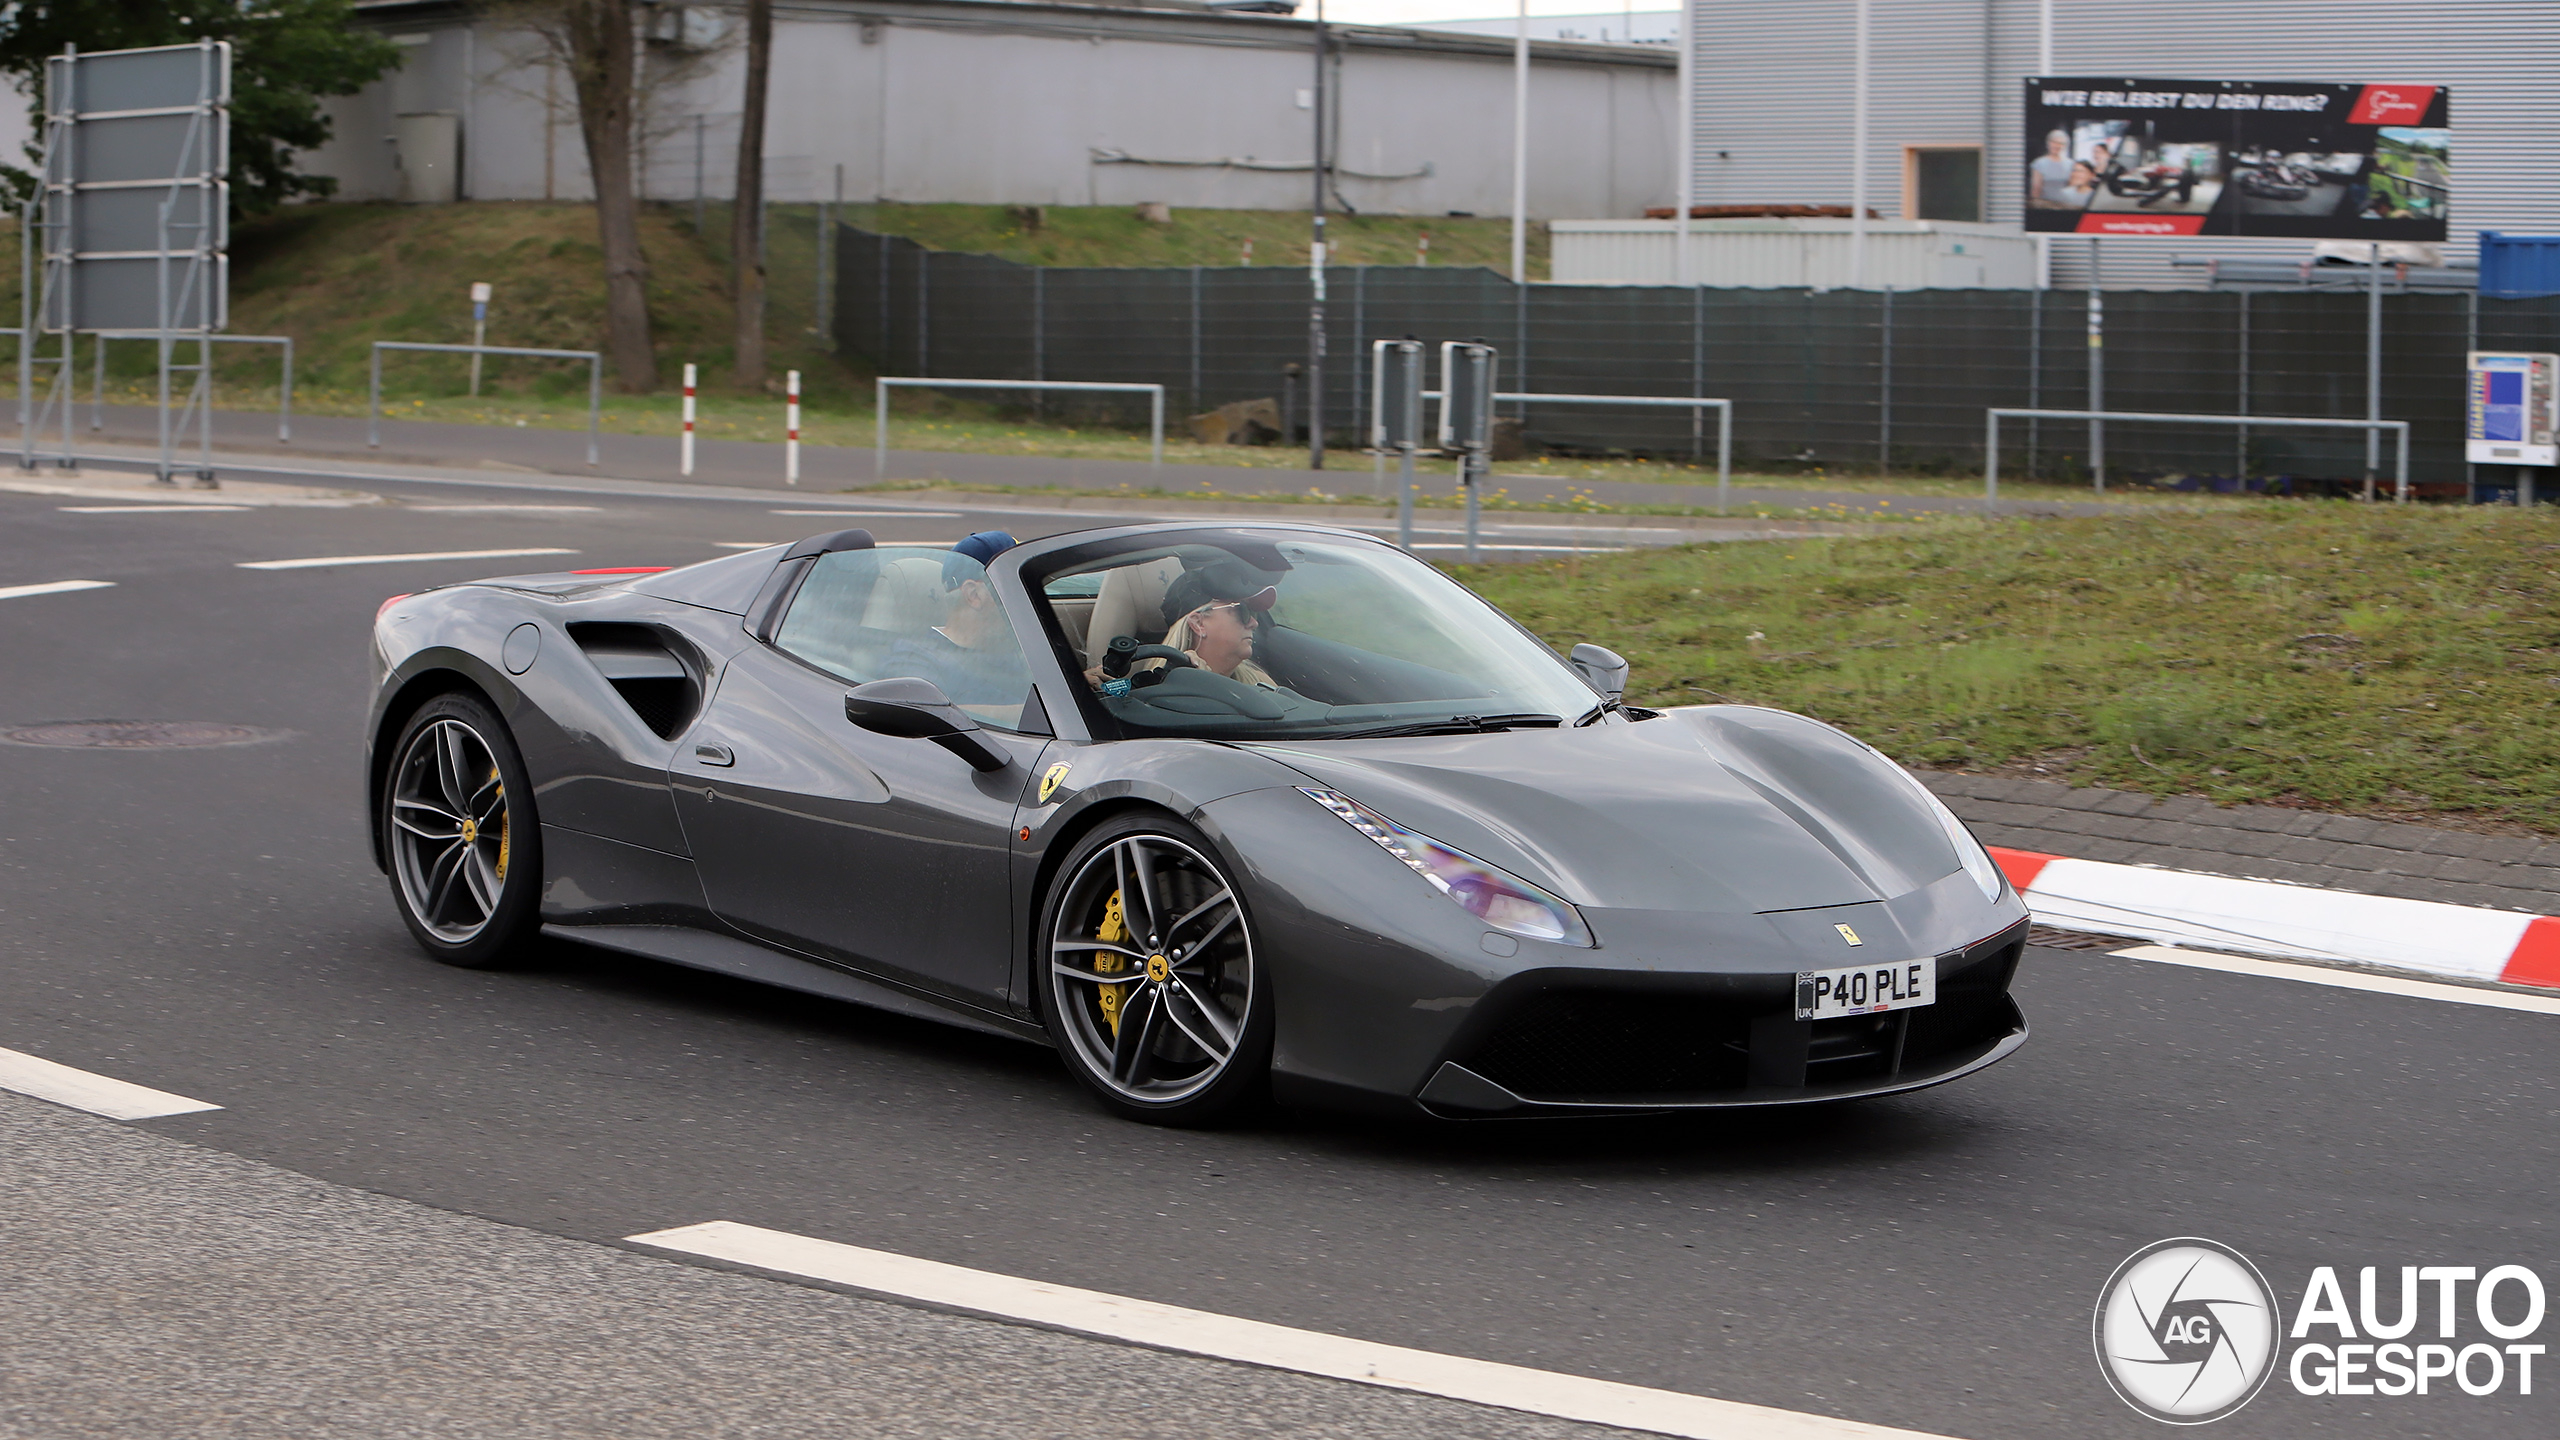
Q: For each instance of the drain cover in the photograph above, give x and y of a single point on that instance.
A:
(138, 734)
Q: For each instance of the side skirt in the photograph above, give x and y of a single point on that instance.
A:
(724, 955)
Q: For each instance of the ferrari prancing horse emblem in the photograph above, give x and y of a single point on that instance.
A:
(1848, 934)
(1051, 779)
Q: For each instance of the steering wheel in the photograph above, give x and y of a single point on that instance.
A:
(1124, 650)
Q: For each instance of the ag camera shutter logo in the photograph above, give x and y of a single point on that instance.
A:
(2186, 1331)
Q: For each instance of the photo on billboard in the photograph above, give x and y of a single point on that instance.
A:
(2223, 157)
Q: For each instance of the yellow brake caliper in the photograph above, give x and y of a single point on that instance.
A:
(504, 830)
(1114, 929)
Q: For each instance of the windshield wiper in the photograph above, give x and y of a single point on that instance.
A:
(1455, 725)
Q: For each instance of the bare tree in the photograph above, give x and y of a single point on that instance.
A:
(597, 42)
(746, 220)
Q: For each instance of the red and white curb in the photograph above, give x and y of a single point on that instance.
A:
(2294, 922)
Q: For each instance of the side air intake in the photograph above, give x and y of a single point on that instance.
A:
(648, 669)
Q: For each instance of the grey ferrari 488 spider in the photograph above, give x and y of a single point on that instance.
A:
(1212, 809)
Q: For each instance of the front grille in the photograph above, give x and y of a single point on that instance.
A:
(1616, 1042)
(1586, 1044)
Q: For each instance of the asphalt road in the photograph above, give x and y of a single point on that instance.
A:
(208, 922)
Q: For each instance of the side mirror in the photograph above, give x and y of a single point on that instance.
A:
(913, 709)
(1602, 669)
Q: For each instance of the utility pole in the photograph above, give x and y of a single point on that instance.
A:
(1858, 155)
(1520, 148)
(1315, 274)
(1685, 184)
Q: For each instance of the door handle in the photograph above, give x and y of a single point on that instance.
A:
(710, 754)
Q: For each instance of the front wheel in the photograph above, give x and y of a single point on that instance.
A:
(458, 825)
(1155, 995)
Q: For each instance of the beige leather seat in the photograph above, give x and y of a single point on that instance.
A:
(908, 600)
(1131, 603)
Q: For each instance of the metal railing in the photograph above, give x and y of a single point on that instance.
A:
(880, 410)
(595, 382)
(284, 400)
(1993, 417)
(1723, 409)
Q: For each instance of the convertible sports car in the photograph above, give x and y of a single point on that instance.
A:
(1213, 809)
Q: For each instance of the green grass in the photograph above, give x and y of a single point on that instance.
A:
(1114, 235)
(2321, 653)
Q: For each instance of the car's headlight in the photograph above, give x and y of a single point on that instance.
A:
(1491, 894)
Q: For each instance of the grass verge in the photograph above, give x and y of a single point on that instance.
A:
(2324, 654)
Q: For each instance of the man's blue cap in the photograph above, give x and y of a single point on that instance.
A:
(982, 547)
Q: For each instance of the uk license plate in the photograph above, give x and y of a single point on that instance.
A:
(1865, 989)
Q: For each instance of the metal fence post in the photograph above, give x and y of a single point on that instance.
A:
(2035, 373)
(1884, 388)
(373, 403)
(1724, 454)
(1991, 463)
(2097, 377)
(1155, 403)
(284, 400)
(1698, 387)
(880, 432)
(1039, 334)
(1197, 403)
(2240, 455)
(2373, 367)
(595, 403)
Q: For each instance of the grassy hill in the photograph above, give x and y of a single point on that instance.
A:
(1115, 235)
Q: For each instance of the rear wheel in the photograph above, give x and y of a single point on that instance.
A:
(1155, 995)
(458, 825)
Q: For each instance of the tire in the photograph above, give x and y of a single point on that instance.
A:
(1186, 1039)
(459, 827)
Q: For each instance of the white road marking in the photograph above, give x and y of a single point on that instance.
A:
(746, 544)
(1541, 549)
(115, 1099)
(504, 509)
(57, 587)
(320, 560)
(2343, 979)
(1252, 1342)
(152, 509)
(878, 514)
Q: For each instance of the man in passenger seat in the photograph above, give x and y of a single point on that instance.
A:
(972, 655)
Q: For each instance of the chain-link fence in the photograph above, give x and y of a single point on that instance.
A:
(1853, 379)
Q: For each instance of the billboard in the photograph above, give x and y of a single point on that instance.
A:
(2514, 409)
(2233, 157)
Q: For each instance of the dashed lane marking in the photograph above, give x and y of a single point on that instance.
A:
(97, 1094)
(2343, 979)
(318, 561)
(1253, 1342)
(56, 587)
(152, 509)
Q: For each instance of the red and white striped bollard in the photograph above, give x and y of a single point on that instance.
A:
(791, 428)
(687, 465)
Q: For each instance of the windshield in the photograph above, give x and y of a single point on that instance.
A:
(1241, 634)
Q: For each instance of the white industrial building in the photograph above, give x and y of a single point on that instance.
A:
(1772, 120)
(1021, 102)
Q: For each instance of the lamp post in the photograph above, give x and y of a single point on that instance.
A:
(1315, 274)
(1520, 147)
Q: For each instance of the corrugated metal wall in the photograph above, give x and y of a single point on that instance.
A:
(1774, 102)
(1845, 378)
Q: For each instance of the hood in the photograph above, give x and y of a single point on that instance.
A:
(1726, 809)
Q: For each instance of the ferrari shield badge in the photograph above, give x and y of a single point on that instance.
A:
(1845, 933)
(1051, 779)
